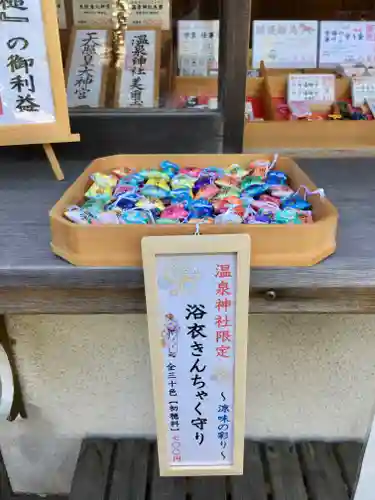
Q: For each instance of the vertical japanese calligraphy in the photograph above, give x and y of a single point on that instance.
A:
(285, 44)
(346, 42)
(197, 333)
(198, 48)
(24, 72)
(197, 305)
(138, 86)
(224, 337)
(197, 341)
(87, 71)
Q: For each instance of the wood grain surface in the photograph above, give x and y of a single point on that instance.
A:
(127, 469)
(33, 280)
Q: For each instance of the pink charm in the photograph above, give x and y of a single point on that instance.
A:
(281, 191)
(271, 199)
(191, 171)
(272, 207)
(175, 212)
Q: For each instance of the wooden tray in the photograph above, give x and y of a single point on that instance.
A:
(111, 245)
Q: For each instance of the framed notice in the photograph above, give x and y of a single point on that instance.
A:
(137, 82)
(363, 89)
(150, 13)
(197, 292)
(285, 44)
(346, 42)
(61, 14)
(198, 48)
(314, 88)
(89, 13)
(33, 105)
(87, 67)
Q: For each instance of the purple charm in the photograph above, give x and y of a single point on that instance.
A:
(262, 219)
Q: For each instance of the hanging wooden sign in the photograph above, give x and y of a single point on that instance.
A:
(137, 81)
(87, 67)
(197, 293)
(33, 106)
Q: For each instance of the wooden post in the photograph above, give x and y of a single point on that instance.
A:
(234, 46)
(54, 162)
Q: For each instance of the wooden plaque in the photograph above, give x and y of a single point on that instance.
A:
(197, 294)
(87, 67)
(137, 79)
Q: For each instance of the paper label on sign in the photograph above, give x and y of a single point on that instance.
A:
(142, 13)
(313, 88)
(363, 88)
(61, 14)
(150, 13)
(25, 89)
(137, 87)
(197, 296)
(285, 44)
(86, 72)
(198, 47)
(92, 13)
(346, 42)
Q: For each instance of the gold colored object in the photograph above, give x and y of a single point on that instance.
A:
(120, 15)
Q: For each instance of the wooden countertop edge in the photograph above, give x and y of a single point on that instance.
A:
(28, 300)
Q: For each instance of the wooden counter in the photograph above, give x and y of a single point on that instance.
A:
(33, 280)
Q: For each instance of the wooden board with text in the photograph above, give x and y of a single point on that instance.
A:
(197, 293)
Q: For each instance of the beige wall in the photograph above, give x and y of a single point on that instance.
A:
(308, 376)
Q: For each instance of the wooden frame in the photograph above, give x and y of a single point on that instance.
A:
(106, 66)
(236, 243)
(59, 130)
(120, 70)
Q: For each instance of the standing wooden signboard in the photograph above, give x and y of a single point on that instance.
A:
(197, 294)
(33, 106)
